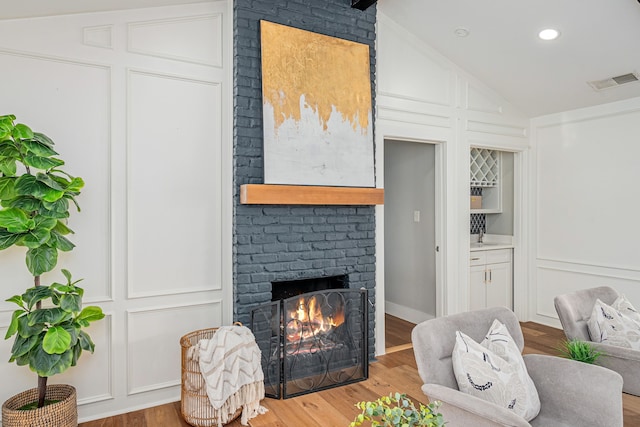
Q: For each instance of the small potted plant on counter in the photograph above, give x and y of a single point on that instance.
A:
(35, 194)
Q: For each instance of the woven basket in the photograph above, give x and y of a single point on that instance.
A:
(61, 414)
(195, 406)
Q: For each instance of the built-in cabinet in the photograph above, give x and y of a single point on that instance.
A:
(490, 279)
(485, 173)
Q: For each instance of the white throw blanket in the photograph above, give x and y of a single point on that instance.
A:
(230, 365)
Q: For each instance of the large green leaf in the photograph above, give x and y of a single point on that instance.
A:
(74, 332)
(44, 163)
(46, 223)
(42, 259)
(51, 316)
(48, 181)
(7, 188)
(56, 340)
(61, 228)
(86, 342)
(53, 214)
(26, 203)
(15, 220)
(25, 330)
(75, 185)
(91, 314)
(52, 195)
(47, 365)
(22, 346)
(8, 166)
(36, 237)
(13, 326)
(38, 148)
(43, 139)
(8, 239)
(37, 293)
(28, 185)
(22, 131)
(61, 205)
(77, 352)
(16, 299)
(21, 361)
(70, 302)
(60, 242)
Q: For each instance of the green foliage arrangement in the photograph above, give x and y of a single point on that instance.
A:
(34, 206)
(396, 410)
(579, 350)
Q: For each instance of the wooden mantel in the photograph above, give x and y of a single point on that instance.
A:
(269, 194)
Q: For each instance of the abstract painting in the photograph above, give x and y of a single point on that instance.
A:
(317, 112)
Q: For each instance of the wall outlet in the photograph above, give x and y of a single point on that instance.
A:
(416, 216)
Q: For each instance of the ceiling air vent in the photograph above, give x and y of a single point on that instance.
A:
(614, 81)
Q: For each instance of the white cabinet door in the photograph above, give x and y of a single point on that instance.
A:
(490, 279)
(477, 297)
(498, 287)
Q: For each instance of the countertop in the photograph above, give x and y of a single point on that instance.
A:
(491, 242)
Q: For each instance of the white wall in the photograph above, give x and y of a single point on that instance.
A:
(139, 105)
(586, 175)
(502, 223)
(423, 96)
(409, 264)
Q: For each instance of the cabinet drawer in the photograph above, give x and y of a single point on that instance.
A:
(498, 256)
(477, 258)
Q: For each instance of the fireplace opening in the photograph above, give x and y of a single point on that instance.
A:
(313, 336)
(289, 288)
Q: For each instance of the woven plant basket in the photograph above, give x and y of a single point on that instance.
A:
(194, 405)
(61, 414)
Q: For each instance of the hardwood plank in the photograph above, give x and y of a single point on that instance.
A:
(335, 407)
(397, 331)
(267, 194)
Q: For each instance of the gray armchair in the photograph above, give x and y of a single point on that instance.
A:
(571, 393)
(574, 310)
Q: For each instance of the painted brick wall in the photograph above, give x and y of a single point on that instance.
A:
(273, 243)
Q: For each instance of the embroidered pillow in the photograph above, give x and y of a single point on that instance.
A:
(609, 326)
(624, 306)
(483, 373)
(499, 340)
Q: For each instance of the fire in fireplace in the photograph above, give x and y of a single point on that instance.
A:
(312, 340)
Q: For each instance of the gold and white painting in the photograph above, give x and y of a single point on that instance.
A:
(317, 112)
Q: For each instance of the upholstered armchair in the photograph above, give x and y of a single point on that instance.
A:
(571, 393)
(574, 310)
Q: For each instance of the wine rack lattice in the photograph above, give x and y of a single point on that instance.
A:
(484, 167)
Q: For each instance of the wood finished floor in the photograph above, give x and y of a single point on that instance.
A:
(392, 372)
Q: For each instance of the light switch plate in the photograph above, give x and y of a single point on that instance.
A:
(416, 216)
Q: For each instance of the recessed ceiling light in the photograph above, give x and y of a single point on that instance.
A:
(549, 34)
(461, 32)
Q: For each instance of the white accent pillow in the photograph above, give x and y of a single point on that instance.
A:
(609, 326)
(624, 306)
(495, 371)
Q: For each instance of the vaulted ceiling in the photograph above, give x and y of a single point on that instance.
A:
(599, 39)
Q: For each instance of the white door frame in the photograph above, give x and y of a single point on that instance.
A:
(440, 226)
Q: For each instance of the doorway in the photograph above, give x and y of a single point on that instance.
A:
(410, 240)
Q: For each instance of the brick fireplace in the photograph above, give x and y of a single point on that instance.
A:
(275, 243)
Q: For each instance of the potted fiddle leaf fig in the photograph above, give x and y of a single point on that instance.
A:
(35, 195)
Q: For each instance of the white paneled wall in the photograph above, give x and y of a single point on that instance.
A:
(586, 174)
(422, 96)
(139, 105)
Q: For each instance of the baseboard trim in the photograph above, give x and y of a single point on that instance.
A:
(409, 314)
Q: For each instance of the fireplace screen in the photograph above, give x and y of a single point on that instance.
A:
(312, 341)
